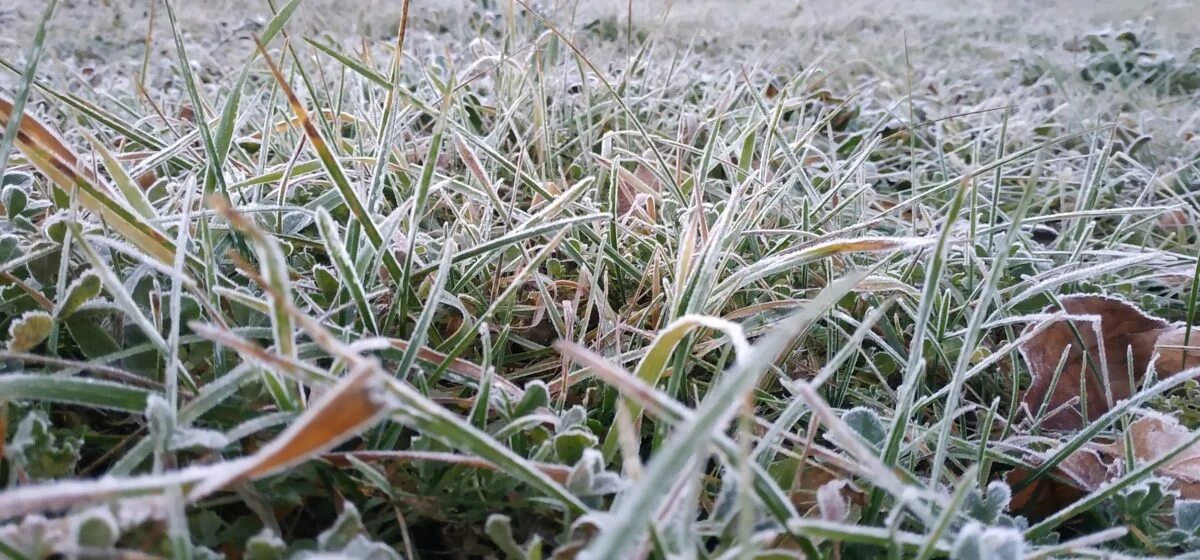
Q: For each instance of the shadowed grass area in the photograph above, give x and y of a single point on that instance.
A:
(565, 285)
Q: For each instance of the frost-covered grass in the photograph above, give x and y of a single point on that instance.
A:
(521, 281)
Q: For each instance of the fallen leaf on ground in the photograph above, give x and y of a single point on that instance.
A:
(819, 492)
(1110, 333)
(631, 184)
(1152, 436)
(1073, 478)
(1173, 220)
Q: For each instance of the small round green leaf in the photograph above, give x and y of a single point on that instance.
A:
(83, 289)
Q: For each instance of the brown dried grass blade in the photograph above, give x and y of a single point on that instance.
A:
(51, 156)
(354, 403)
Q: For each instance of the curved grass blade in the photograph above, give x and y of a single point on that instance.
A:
(79, 391)
(27, 77)
(630, 517)
(804, 255)
(654, 364)
(341, 261)
(275, 272)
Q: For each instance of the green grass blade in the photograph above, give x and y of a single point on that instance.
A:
(341, 261)
(92, 393)
(23, 87)
(629, 518)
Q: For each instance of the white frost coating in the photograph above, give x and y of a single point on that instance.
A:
(124, 514)
(100, 513)
(1083, 273)
(186, 438)
(371, 344)
(55, 496)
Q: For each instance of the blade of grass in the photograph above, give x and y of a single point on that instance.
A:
(275, 270)
(421, 329)
(973, 331)
(333, 168)
(23, 87)
(58, 162)
(79, 391)
(113, 285)
(650, 370)
(629, 518)
(336, 250)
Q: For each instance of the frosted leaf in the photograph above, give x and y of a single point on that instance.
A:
(30, 330)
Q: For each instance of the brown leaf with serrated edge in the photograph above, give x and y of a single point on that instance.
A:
(1177, 350)
(1110, 331)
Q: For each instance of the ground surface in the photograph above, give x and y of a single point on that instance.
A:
(970, 44)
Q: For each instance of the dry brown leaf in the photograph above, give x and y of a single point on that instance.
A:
(816, 490)
(187, 113)
(1080, 473)
(1175, 219)
(1095, 465)
(551, 188)
(1154, 436)
(771, 90)
(1174, 355)
(1111, 330)
(632, 183)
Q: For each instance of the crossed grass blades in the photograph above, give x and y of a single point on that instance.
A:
(383, 304)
